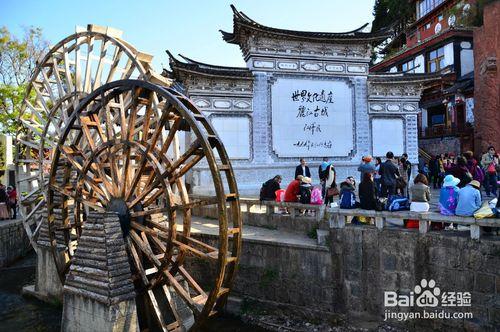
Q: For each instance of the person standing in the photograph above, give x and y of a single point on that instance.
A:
(366, 166)
(376, 176)
(402, 180)
(389, 173)
(13, 201)
(469, 199)
(489, 162)
(434, 171)
(302, 169)
(461, 172)
(330, 183)
(4, 211)
(407, 166)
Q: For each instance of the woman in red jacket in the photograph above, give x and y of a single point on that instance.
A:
(293, 189)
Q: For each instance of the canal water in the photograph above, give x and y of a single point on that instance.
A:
(18, 313)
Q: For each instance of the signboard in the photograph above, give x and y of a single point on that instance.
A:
(312, 118)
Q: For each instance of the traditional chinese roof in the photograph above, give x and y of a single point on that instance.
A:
(243, 26)
(404, 77)
(200, 68)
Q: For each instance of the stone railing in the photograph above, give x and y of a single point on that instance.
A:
(339, 217)
(293, 209)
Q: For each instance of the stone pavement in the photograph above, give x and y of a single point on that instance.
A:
(210, 226)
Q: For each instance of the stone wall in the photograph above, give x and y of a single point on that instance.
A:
(436, 146)
(350, 276)
(14, 242)
(368, 262)
(487, 80)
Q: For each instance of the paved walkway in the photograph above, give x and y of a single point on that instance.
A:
(211, 226)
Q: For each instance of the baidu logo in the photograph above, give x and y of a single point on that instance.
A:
(427, 294)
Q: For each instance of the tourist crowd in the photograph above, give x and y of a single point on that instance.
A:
(8, 202)
(384, 185)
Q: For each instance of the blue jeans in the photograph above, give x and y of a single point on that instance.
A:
(490, 183)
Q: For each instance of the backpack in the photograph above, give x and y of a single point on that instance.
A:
(305, 195)
(397, 203)
(316, 197)
(347, 200)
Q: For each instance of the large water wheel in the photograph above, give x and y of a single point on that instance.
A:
(114, 149)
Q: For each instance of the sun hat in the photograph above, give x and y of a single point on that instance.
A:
(475, 184)
(306, 179)
(300, 177)
(450, 181)
(367, 158)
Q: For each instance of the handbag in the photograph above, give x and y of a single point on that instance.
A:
(330, 192)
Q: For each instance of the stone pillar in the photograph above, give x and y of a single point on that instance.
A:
(98, 293)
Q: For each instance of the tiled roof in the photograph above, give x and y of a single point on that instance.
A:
(242, 23)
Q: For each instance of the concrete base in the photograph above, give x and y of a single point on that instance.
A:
(83, 314)
(47, 284)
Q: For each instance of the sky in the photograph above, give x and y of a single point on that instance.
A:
(189, 27)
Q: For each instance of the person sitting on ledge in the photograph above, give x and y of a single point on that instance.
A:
(269, 188)
(448, 196)
(469, 199)
(293, 190)
(347, 195)
(367, 192)
(420, 194)
(305, 189)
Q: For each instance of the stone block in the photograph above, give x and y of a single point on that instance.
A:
(484, 283)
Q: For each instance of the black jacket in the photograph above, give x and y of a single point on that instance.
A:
(388, 171)
(268, 190)
(298, 171)
(367, 195)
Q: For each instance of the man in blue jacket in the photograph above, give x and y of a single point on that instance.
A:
(469, 199)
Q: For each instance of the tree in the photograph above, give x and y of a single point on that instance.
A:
(17, 64)
(396, 14)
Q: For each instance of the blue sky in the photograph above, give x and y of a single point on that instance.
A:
(190, 27)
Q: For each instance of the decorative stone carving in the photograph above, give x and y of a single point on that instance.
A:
(288, 65)
(222, 104)
(377, 107)
(334, 68)
(202, 103)
(242, 104)
(311, 66)
(263, 64)
(356, 69)
(393, 107)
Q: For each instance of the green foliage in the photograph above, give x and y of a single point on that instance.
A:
(472, 17)
(2, 155)
(17, 64)
(393, 13)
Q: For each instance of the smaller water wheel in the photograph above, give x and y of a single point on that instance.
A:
(116, 154)
(73, 68)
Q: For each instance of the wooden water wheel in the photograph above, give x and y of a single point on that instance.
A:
(70, 70)
(115, 153)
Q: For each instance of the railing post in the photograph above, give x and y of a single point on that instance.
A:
(475, 232)
(269, 209)
(379, 223)
(423, 226)
(337, 221)
(320, 213)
